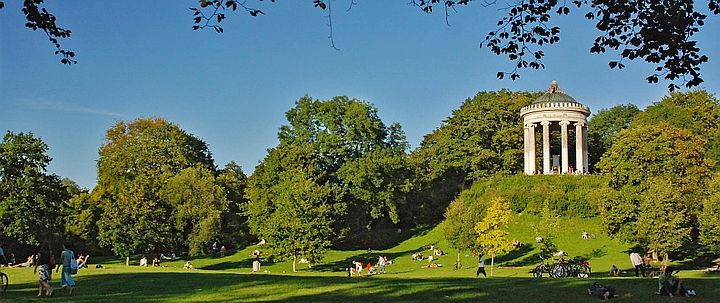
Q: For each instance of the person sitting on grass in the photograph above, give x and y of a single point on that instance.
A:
(156, 262)
(143, 261)
(188, 265)
(370, 268)
(670, 285)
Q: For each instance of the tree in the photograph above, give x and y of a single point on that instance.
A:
(547, 229)
(84, 212)
(136, 161)
(604, 126)
(665, 222)
(32, 202)
(352, 150)
(642, 161)
(492, 229)
(481, 138)
(289, 207)
(660, 33)
(234, 229)
(709, 220)
(697, 111)
(461, 216)
(197, 204)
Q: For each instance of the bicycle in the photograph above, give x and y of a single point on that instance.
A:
(4, 281)
(579, 268)
(542, 268)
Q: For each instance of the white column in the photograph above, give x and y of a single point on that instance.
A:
(526, 163)
(585, 149)
(579, 147)
(564, 143)
(531, 150)
(546, 147)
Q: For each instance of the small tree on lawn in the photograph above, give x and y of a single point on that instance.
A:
(492, 233)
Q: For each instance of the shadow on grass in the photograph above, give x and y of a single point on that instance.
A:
(244, 263)
(514, 254)
(199, 286)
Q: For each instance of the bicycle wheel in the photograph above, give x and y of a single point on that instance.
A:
(4, 281)
(558, 271)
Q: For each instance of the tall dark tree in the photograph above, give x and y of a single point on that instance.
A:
(604, 126)
(32, 201)
(234, 230)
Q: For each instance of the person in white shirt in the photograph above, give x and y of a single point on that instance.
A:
(637, 262)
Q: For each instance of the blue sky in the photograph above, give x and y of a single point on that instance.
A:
(141, 59)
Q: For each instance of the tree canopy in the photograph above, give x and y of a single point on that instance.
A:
(481, 138)
(136, 161)
(661, 33)
(356, 163)
(492, 229)
(604, 125)
(32, 202)
(656, 175)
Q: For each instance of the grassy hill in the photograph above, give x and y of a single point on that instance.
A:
(230, 278)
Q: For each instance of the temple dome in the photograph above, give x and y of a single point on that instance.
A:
(554, 94)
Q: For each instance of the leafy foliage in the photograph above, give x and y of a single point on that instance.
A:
(604, 126)
(492, 229)
(481, 138)
(697, 111)
(233, 180)
(709, 220)
(32, 202)
(136, 161)
(39, 18)
(461, 217)
(289, 206)
(546, 196)
(197, 204)
(547, 229)
(655, 174)
(665, 219)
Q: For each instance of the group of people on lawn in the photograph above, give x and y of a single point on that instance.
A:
(379, 268)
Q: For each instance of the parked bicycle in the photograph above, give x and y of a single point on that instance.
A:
(543, 268)
(561, 269)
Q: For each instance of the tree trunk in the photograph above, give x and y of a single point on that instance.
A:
(294, 259)
(666, 259)
(458, 259)
(492, 262)
(127, 261)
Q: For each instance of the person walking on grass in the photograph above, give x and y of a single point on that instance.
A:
(45, 262)
(481, 265)
(66, 279)
(638, 263)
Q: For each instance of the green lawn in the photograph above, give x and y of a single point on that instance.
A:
(229, 279)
